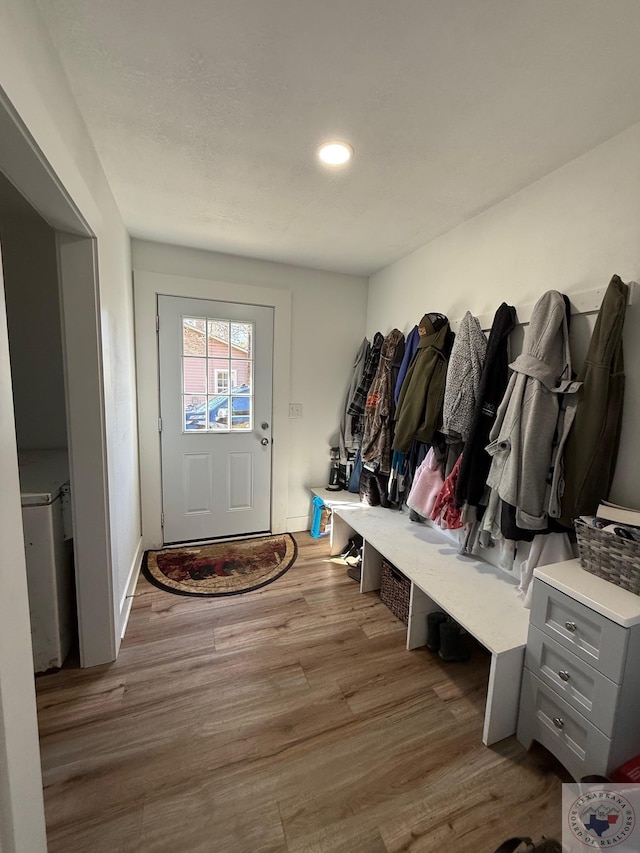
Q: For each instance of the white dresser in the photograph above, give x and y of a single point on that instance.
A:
(581, 683)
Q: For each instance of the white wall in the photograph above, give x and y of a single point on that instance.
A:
(35, 338)
(32, 78)
(34, 91)
(569, 231)
(328, 321)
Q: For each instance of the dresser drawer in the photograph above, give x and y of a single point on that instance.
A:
(546, 718)
(579, 684)
(591, 636)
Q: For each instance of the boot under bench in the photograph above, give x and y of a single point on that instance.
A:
(475, 594)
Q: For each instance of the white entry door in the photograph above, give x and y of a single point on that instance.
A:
(215, 362)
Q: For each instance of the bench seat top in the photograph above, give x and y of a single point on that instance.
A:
(481, 598)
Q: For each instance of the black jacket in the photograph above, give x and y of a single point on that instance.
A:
(475, 464)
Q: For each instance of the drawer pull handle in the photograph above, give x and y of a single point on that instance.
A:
(558, 722)
(570, 626)
(564, 675)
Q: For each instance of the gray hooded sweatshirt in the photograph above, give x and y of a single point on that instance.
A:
(526, 460)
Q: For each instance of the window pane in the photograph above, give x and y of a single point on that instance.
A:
(218, 338)
(241, 371)
(195, 375)
(194, 407)
(193, 336)
(220, 382)
(218, 412)
(241, 340)
(242, 408)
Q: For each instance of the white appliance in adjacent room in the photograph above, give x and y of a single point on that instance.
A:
(44, 487)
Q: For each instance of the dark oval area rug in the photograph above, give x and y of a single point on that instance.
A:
(221, 568)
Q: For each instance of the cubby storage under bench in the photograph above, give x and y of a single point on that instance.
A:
(478, 596)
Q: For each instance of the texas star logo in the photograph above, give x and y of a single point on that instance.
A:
(602, 819)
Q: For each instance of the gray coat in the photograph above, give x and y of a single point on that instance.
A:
(522, 438)
(350, 441)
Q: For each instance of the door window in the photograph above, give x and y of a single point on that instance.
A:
(217, 375)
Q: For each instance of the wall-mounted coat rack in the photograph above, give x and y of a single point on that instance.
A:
(583, 302)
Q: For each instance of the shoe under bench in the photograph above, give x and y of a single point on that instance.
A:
(481, 598)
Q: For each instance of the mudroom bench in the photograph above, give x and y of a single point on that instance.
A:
(478, 596)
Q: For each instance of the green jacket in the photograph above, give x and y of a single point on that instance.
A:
(419, 410)
(592, 448)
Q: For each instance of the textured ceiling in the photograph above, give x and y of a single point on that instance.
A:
(206, 114)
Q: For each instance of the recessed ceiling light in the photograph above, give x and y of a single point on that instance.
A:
(335, 153)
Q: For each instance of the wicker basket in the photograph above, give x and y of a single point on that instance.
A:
(608, 556)
(394, 591)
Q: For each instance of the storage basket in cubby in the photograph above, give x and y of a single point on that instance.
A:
(608, 556)
(394, 591)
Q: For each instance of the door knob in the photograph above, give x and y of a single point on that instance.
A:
(264, 442)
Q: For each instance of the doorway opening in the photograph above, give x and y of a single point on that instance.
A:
(30, 273)
(26, 171)
(148, 287)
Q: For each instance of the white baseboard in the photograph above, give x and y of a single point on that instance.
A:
(132, 580)
(298, 523)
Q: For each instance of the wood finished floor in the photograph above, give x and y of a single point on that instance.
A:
(287, 719)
